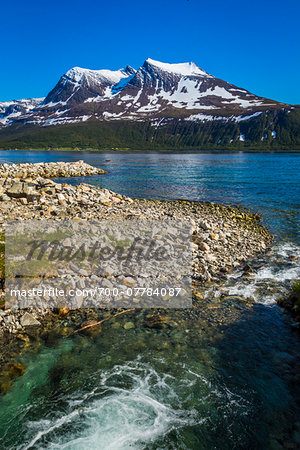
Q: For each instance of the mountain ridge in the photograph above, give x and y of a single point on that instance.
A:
(156, 93)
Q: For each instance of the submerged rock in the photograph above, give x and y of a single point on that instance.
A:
(157, 321)
(129, 325)
(61, 312)
(292, 302)
(8, 374)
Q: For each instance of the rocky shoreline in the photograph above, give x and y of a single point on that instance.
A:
(224, 237)
(48, 170)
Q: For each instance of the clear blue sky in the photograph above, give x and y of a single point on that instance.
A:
(253, 44)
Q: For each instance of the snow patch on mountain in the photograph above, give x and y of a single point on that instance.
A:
(64, 120)
(53, 104)
(203, 117)
(110, 91)
(185, 96)
(188, 95)
(76, 74)
(247, 103)
(184, 69)
(249, 116)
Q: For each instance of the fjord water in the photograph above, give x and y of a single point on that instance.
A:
(225, 377)
(266, 183)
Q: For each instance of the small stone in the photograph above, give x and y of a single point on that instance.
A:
(28, 320)
(9, 319)
(204, 247)
(61, 197)
(128, 281)
(5, 198)
(115, 199)
(105, 203)
(83, 272)
(67, 242)
(107, 272)
(204, 225)
(210, 258)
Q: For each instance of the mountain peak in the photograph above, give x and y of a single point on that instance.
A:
(113, 76)
(156, 90)
(184, 69)
(129, 70)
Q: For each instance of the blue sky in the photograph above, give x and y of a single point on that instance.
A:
(253, 44)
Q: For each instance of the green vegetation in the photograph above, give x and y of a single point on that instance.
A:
(174, 134)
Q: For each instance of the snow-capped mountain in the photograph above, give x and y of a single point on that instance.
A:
(159, 105)
(172, 90)
(9, 111)
(78, 85)
(156, 90)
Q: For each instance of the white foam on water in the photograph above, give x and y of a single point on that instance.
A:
(137, 406)
(288, 249)
(270, 282)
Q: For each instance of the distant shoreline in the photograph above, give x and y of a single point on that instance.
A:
(145, 151)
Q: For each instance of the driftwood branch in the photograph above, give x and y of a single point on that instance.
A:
(103, 320)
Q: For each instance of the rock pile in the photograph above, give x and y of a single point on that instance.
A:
(45, 192)
(224, 237)
(48, 170)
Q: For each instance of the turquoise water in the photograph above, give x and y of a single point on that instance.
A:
(225, 376)
(266, 183)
